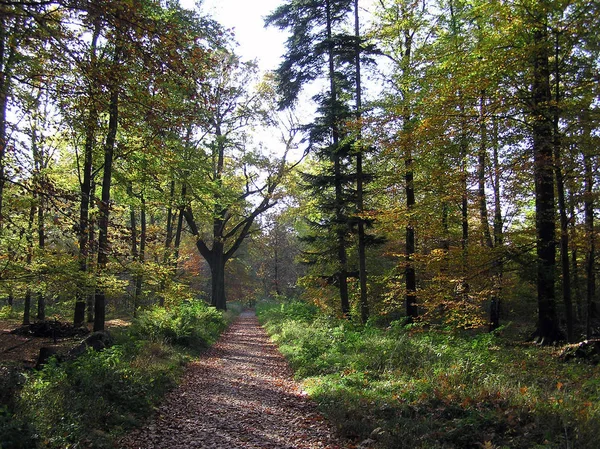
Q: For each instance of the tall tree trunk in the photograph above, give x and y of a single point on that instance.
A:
(496, 304)
(362, 257)
(8, 54)
(574, 260)
(342, 276)
(91, 294)
(481, 166)
(217, 269)
(28, 260)
(562, 205)
(134, 240)
(39, 185)
(85, 188)
(103, 248)
(142, 257)
(41, 299)
(547, 331)
(590, 257)
(464, 208)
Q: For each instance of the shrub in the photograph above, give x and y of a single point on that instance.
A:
(191, 323)
(88, 401)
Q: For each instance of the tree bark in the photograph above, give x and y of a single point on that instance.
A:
(562, 205)
(496, 302)
(28, 260)
(481, 166)
(8, 54)
(547, 331)
(362, 257)
(86, 188)
(103, 246)
(590, 257)
(342, 275)
(91, 294)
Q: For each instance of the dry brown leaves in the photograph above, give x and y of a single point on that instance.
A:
(240, 394)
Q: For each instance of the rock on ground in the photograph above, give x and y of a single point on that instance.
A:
(240, 394)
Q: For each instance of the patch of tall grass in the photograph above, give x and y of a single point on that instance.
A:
(412, 387)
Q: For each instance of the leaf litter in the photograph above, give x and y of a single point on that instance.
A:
(239, 394)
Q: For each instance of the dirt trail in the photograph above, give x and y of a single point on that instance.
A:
(240, 394)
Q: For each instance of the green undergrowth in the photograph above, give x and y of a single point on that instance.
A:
(411, 387)
(88, 402)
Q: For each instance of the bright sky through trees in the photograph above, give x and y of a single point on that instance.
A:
(246, 19)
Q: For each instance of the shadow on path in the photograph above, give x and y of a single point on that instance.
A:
(240, 394)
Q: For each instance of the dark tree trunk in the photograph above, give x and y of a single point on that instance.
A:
(342, 275)
(86, 190)
(362, 257)
(28, 260)
(8, 56)
(39, 180)
(574, 261)
(91, 294)
(495, 303)
(481, 166)
(217, 269)
(103, 247)
(142, 257)
(592, 312)
(562, 205)
(548, 330)
(464, 208)
(134, 241)
(412, 310)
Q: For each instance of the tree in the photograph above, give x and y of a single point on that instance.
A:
(318, 48)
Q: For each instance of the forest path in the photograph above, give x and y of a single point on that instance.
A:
(239, 394)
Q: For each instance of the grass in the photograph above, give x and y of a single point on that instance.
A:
(90, 401)
(411, 387)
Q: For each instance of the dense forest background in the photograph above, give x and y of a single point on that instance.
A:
(449, 176)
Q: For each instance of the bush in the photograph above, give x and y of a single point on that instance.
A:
(430, 388)
(192, 324)
(88, 401)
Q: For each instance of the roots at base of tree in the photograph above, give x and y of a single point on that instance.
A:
(544, 338)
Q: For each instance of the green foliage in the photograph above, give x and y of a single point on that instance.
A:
(429, 388)
(190, 323)
(88, 401)
(8, 313)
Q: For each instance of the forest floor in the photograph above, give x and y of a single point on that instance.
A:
(23, 350)
(239, 394)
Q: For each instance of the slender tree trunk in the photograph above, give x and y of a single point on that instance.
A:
(481, 166)
(362, 257)
(8, 56)
(167, 255)
(547, 328)
(562, 205)
(39, 181)
(574, 260)
(342, 276)
(464, 208)
(91, 294)
(496, 304)
(41, 299)
(103, 248)
(134, 240)
(86, 190)
(592, 312)
(29, 259)
(142, 257)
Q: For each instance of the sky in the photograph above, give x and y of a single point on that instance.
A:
(246, 18)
